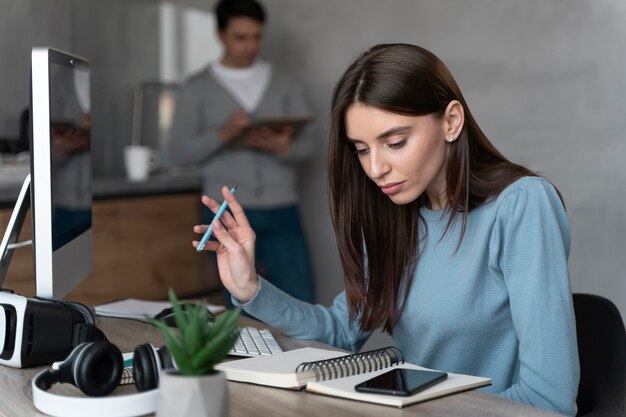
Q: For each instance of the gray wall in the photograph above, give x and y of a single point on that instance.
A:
(543, 78)
(119, 37)
(23, 25)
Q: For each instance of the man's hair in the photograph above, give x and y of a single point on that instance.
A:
(227, 9)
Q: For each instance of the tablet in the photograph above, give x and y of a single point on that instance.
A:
(296, 122)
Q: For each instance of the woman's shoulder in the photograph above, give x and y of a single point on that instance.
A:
(528, 185)
(532, 184)
(529, 193)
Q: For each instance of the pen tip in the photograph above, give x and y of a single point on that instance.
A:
(236, 185)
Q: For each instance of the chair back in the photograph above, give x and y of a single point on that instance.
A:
(602, 352)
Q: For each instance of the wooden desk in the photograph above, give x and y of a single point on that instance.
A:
(248, 400)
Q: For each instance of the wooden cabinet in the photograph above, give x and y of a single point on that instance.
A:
(142, 246)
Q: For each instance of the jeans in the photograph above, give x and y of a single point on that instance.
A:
(281, 251)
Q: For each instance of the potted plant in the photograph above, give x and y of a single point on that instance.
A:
(197, 344)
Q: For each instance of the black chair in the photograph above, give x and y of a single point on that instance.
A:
(602, 351)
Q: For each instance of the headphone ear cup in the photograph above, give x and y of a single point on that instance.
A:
(145, 368)
(65, 370)
(166, 358)
(98, 369)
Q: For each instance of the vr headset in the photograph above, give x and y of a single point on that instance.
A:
(38, 331)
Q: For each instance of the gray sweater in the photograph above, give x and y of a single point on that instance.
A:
(265, 180)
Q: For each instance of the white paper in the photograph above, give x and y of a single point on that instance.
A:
(132, 308)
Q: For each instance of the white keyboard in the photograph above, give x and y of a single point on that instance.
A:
(255, 342)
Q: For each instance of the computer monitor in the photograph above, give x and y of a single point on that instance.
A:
(60, 174)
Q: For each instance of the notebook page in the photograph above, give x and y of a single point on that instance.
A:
(344, 387)
(277, 370)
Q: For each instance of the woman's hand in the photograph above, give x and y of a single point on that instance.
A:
(234, 248)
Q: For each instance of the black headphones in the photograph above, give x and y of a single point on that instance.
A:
(96, 369)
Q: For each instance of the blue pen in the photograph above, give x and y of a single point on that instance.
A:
(219, 213)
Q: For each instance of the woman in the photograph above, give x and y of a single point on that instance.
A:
(458, 253)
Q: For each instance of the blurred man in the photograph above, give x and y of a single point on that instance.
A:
(212, 127)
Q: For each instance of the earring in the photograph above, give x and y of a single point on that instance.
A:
(451, 139)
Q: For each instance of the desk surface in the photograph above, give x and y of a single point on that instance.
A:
(253, 400)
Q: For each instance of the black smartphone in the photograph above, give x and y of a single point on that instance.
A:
(401, 381)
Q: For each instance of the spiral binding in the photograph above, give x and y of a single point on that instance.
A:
(354, 364)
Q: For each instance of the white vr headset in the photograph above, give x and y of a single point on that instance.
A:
(39, 331)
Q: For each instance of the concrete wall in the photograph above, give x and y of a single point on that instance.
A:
(543, 78)
(119, 37)
(24, 24)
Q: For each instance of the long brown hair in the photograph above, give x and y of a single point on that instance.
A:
(408, 80)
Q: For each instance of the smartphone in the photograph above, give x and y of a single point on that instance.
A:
(401, 382)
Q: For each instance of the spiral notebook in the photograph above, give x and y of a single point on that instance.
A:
(335, 373)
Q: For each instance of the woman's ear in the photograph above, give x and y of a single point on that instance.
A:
(453, 120)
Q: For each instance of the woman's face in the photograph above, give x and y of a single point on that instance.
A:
(403, 155)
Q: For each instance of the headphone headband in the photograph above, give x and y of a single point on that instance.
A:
(111, 406)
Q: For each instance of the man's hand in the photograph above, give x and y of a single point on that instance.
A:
(69, 142)
(233, 127)
(274, 141)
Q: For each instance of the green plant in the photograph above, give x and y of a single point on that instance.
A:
(198, 343)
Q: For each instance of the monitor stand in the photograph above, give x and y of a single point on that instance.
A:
(9, 242)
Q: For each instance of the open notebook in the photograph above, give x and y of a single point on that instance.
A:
(335, 373)
(132, 308)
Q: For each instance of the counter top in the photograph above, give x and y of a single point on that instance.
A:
(112, 187)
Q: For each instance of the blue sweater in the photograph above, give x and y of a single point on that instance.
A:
(500, 307)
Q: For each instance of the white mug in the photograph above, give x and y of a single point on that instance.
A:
(139, 161)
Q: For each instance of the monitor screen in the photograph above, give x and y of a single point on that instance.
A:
(60, 171)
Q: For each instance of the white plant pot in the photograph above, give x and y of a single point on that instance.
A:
(187, 396)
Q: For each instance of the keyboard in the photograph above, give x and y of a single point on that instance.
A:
(255, 342)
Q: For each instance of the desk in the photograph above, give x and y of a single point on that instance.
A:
(248, 400)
